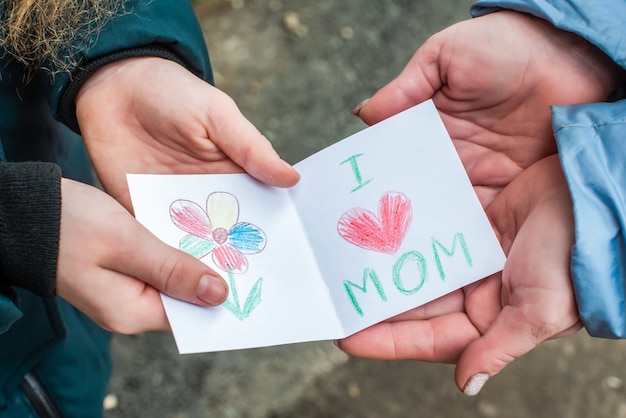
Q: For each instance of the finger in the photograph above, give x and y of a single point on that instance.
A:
(135, 308)
(452, 302)
(510, 337)
(483, 301)
(116, 302)
(441, 339)
(240, 140)
(418, 82)
(167, 269)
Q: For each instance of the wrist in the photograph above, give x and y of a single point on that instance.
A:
(30, 199)
(591, 61)
(96, 69)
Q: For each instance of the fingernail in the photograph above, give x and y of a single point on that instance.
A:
(212, 290)
(475, 384)
(360, 107)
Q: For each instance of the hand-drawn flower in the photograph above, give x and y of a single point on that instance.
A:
(217, 231)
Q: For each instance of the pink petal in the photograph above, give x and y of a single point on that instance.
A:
(228, 257)
(190, 217)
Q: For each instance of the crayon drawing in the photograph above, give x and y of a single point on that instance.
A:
(357, 173)
(381, 222)
(217, 231)
(384, 232)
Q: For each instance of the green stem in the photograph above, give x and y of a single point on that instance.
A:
(233, 290)
(252, 300)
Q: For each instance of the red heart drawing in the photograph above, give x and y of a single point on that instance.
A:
(383, 233)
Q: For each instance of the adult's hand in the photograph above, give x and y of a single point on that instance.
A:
(493, 80)
(484, 327)
(151, 115)
(112, 269)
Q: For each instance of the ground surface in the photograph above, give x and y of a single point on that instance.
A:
(296, 69)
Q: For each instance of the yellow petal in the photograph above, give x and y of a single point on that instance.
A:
(223, 210)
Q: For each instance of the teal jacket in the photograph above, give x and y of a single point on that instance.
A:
(42, 337)
(591, 139)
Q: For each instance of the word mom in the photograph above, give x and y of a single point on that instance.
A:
(409, 258)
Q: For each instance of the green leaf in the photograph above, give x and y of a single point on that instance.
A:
(196, 246)
(253, 299)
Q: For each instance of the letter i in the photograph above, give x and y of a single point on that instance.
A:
(357, 173)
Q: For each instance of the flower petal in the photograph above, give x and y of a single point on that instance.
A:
(190, 217)
(223, 210)
(247, 238)
(195, 246)
(228, 257)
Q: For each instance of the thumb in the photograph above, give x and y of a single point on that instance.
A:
(509, 337)
(241, 141)
(417, 83)
(169, 270)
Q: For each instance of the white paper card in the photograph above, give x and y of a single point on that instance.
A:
(381, 222)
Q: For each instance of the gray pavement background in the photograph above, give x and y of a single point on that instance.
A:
(296, 69)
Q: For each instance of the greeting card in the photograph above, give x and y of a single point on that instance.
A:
(381, 222)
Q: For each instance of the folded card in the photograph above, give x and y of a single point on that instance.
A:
(381, 222)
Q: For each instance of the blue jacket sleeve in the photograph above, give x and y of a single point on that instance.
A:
(601, 22)
(592, 151)
(591, 143)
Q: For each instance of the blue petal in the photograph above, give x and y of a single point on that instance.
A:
(247, 238)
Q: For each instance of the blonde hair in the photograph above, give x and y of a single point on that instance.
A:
(48, 34)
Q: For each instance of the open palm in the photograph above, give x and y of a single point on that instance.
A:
(493, 80)
(485, 326)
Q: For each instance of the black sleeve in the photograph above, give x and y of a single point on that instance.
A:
(30, 219)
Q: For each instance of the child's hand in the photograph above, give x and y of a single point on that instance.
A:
(151, 115)
(112, 269)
